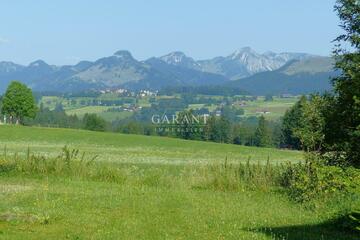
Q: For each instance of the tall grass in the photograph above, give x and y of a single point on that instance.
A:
(69, 163)
(237, 177)
(302, 182)
(72, 163)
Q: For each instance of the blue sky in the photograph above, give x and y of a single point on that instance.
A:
(66, 31)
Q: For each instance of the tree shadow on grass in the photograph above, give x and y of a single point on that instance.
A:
(336, 229)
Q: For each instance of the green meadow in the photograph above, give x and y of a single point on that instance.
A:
(275, 109)
(135, 148)
(101, 111)
(138, 187)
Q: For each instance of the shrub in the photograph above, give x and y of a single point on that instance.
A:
(311, 180)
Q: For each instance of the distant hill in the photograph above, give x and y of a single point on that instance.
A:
(118, 70)
(296, 77)
(175, 69)
(241, 63)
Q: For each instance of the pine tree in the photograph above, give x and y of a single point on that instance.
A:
(262, 136)
(290, 122)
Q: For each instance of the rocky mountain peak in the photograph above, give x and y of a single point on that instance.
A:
(243, 54)
(38, 63)
(8, 67)
(178, 58)
(124, 54)
(175, 58)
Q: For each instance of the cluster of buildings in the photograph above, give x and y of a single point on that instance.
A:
(147, 93)
(127, 93)
(121, 91)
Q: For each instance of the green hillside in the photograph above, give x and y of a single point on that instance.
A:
(310, 65)
(149, 189)
(296, 77)
(133, 148)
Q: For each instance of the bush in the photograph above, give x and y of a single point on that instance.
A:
(310, 181)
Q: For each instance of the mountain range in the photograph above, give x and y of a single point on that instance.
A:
(245, 69)
(296, 77)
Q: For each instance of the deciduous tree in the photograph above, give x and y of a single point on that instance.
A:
(18, 102)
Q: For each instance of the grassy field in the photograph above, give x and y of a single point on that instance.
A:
(135, 148)
(147, 188)
(56, 208)
(89, 109)
(275, 108)
(101, 111)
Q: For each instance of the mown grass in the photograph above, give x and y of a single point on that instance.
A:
(81, 111)
(115, 147)
(112, 116)
(74, 197)
(277, 107)
(100, 111)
